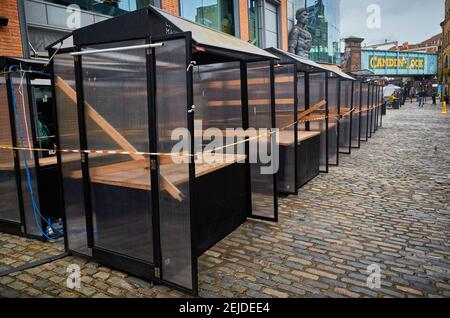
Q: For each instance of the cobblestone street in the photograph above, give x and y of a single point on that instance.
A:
(387, 204)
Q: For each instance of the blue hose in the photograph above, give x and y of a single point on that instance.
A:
(36, 210)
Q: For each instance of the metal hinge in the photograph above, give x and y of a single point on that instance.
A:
(153, 164)
(83, 157)
(89, 250)
(149, 51)
(157, 272)
(22, 229)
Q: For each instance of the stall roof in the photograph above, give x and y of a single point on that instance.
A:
(209, 37)
(309, 63)
(362, 73)
(295, 58)
(155, 22)
(337, 70)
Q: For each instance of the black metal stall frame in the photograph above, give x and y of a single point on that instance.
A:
(356, 115)
(345, 113)
(122, 94)
(30, 191)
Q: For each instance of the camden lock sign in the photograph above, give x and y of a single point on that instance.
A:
(399, 63)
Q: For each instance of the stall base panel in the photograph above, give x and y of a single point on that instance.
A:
(220, 211)
(308, 160)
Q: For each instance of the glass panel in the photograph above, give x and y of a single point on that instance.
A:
(260, 116)
(66, 105)
(116, 112)
(285, 118)
(333, 95)
(218, 108)
(356, 116)
(364, 105)
(111, 8)
(253, 22)
(317, 94)
(324, 26)
(216, 14)
(271, 25)
(27, 162)
(9, 207)
(345, 108)
(171, 108)
(301, 99)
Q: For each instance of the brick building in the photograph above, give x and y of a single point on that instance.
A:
(445, 52)
(265, 23)
(10, 31)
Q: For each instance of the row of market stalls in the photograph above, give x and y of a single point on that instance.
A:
(140, 180)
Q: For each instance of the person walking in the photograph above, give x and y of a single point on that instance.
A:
(422, 99)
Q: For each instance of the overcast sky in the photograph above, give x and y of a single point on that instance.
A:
(410, 21)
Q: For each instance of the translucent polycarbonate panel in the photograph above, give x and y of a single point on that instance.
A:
(218, 102)
(116, 113)
(345, 110)
(364, 109)
(333, 117)
(260, 117)
(69, 138)
(9, 207)
(24, 137)
(317, 94)
(356, 116)
(174, 207)
(285, 120)
(301, 98)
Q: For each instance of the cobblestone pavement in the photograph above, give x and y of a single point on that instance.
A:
(387, 204)
(16, 251)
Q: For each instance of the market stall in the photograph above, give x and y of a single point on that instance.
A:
(356, 115)
(161, 111)
(300, 109)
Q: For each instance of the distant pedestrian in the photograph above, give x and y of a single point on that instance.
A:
(421, 99)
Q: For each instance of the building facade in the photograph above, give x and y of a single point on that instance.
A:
(445, 52)
(266, 23)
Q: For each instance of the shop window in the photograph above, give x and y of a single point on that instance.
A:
(216, 14)
(253, 22)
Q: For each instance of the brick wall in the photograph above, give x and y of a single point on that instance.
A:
(10, 37)
(243, 19)
(284, 35)
(171, 6)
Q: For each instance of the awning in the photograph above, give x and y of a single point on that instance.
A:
(337, 70)
(208, 37)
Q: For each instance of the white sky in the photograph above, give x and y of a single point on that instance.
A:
(410, 21)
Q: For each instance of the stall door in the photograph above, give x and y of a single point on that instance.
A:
(178, 259)
(116, 117)
(260, 117)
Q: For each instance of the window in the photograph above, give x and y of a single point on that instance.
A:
(111, 8)
(290, 15)
(271, 24)
(253, 22)
(216, 14)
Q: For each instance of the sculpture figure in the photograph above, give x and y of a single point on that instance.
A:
(300, 38)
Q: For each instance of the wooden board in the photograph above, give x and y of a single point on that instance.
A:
(139, 178)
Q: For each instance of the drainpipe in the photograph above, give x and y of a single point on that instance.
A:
(23, 28)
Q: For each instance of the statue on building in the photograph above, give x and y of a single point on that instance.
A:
(300, 38)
